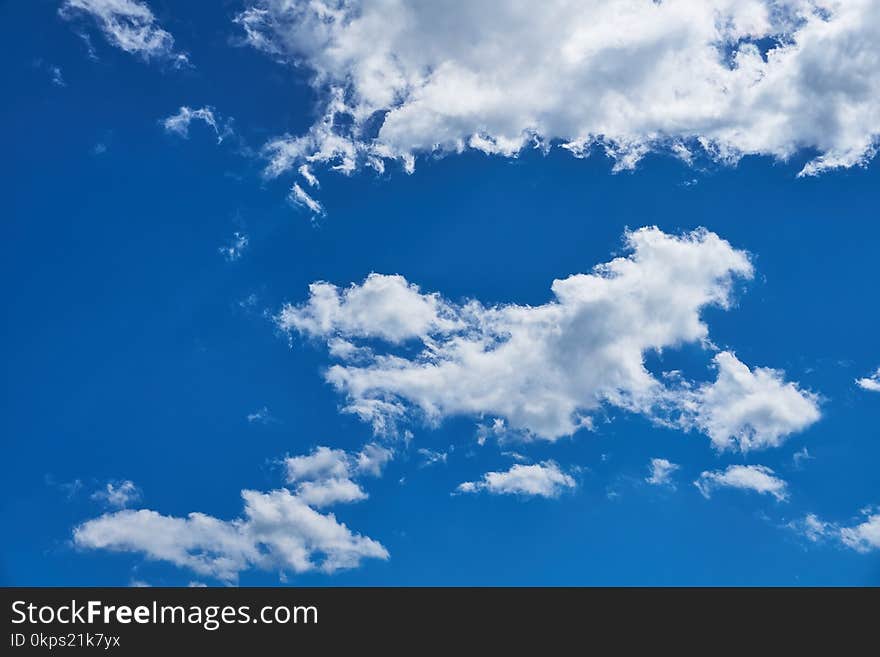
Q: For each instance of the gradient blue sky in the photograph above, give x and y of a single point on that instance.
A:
(131, 351)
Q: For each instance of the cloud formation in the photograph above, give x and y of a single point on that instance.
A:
(324, 477)
(721, 79)
(751, 409)
(279, 529)
(758, 478)
(661, 471)
(178, 123)
(862, 537)
(538, 480)
(547, 370)
(871, 382)
(118, 494)
(129, 25)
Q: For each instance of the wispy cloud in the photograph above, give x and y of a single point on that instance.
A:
(179, 123)
(129, 25)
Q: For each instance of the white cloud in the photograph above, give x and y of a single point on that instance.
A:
(542, 480)
(178, 124)
(661, 472)
(309, 177)
(322, 463)
(631, 77)
(871, 382)
(386, 307)
(324, 477)
(862, 537)
(372, 459)
(811, 527)
(751, 409)
(299, 196)
(329, 491)
(129, 25)
(545, 370)
(235, 247)
(758, 478)
(119, 494)
(278, 531)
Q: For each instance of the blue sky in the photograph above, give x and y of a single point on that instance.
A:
(135, 349)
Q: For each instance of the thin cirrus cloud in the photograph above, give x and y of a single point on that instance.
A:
(544, 479)
(546, 370)
(279, 529)
(720, 79)
(757, 478)
(129, 25)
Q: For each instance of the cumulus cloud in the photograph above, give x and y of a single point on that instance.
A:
(179, 123)
(871, 382)
(324, 476)
(544, 370)
(751, 409)
(118, 494)
(129, 25)
(661, 471)
(279, 529)
(758, 478)
(862, 537)
(720, 78)
(540, 480)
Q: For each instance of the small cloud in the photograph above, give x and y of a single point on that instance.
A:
(179, 123)
(139, 584)
(309, 177)
(871, 382)
(128, 25)
(862, 537)
(298, 196)
(234, 248)
(800, 456)
(261, 416)
(430, 457)
(540, 480)
(118, 495)
(57, 77)
(661, 472)
(758, 478)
